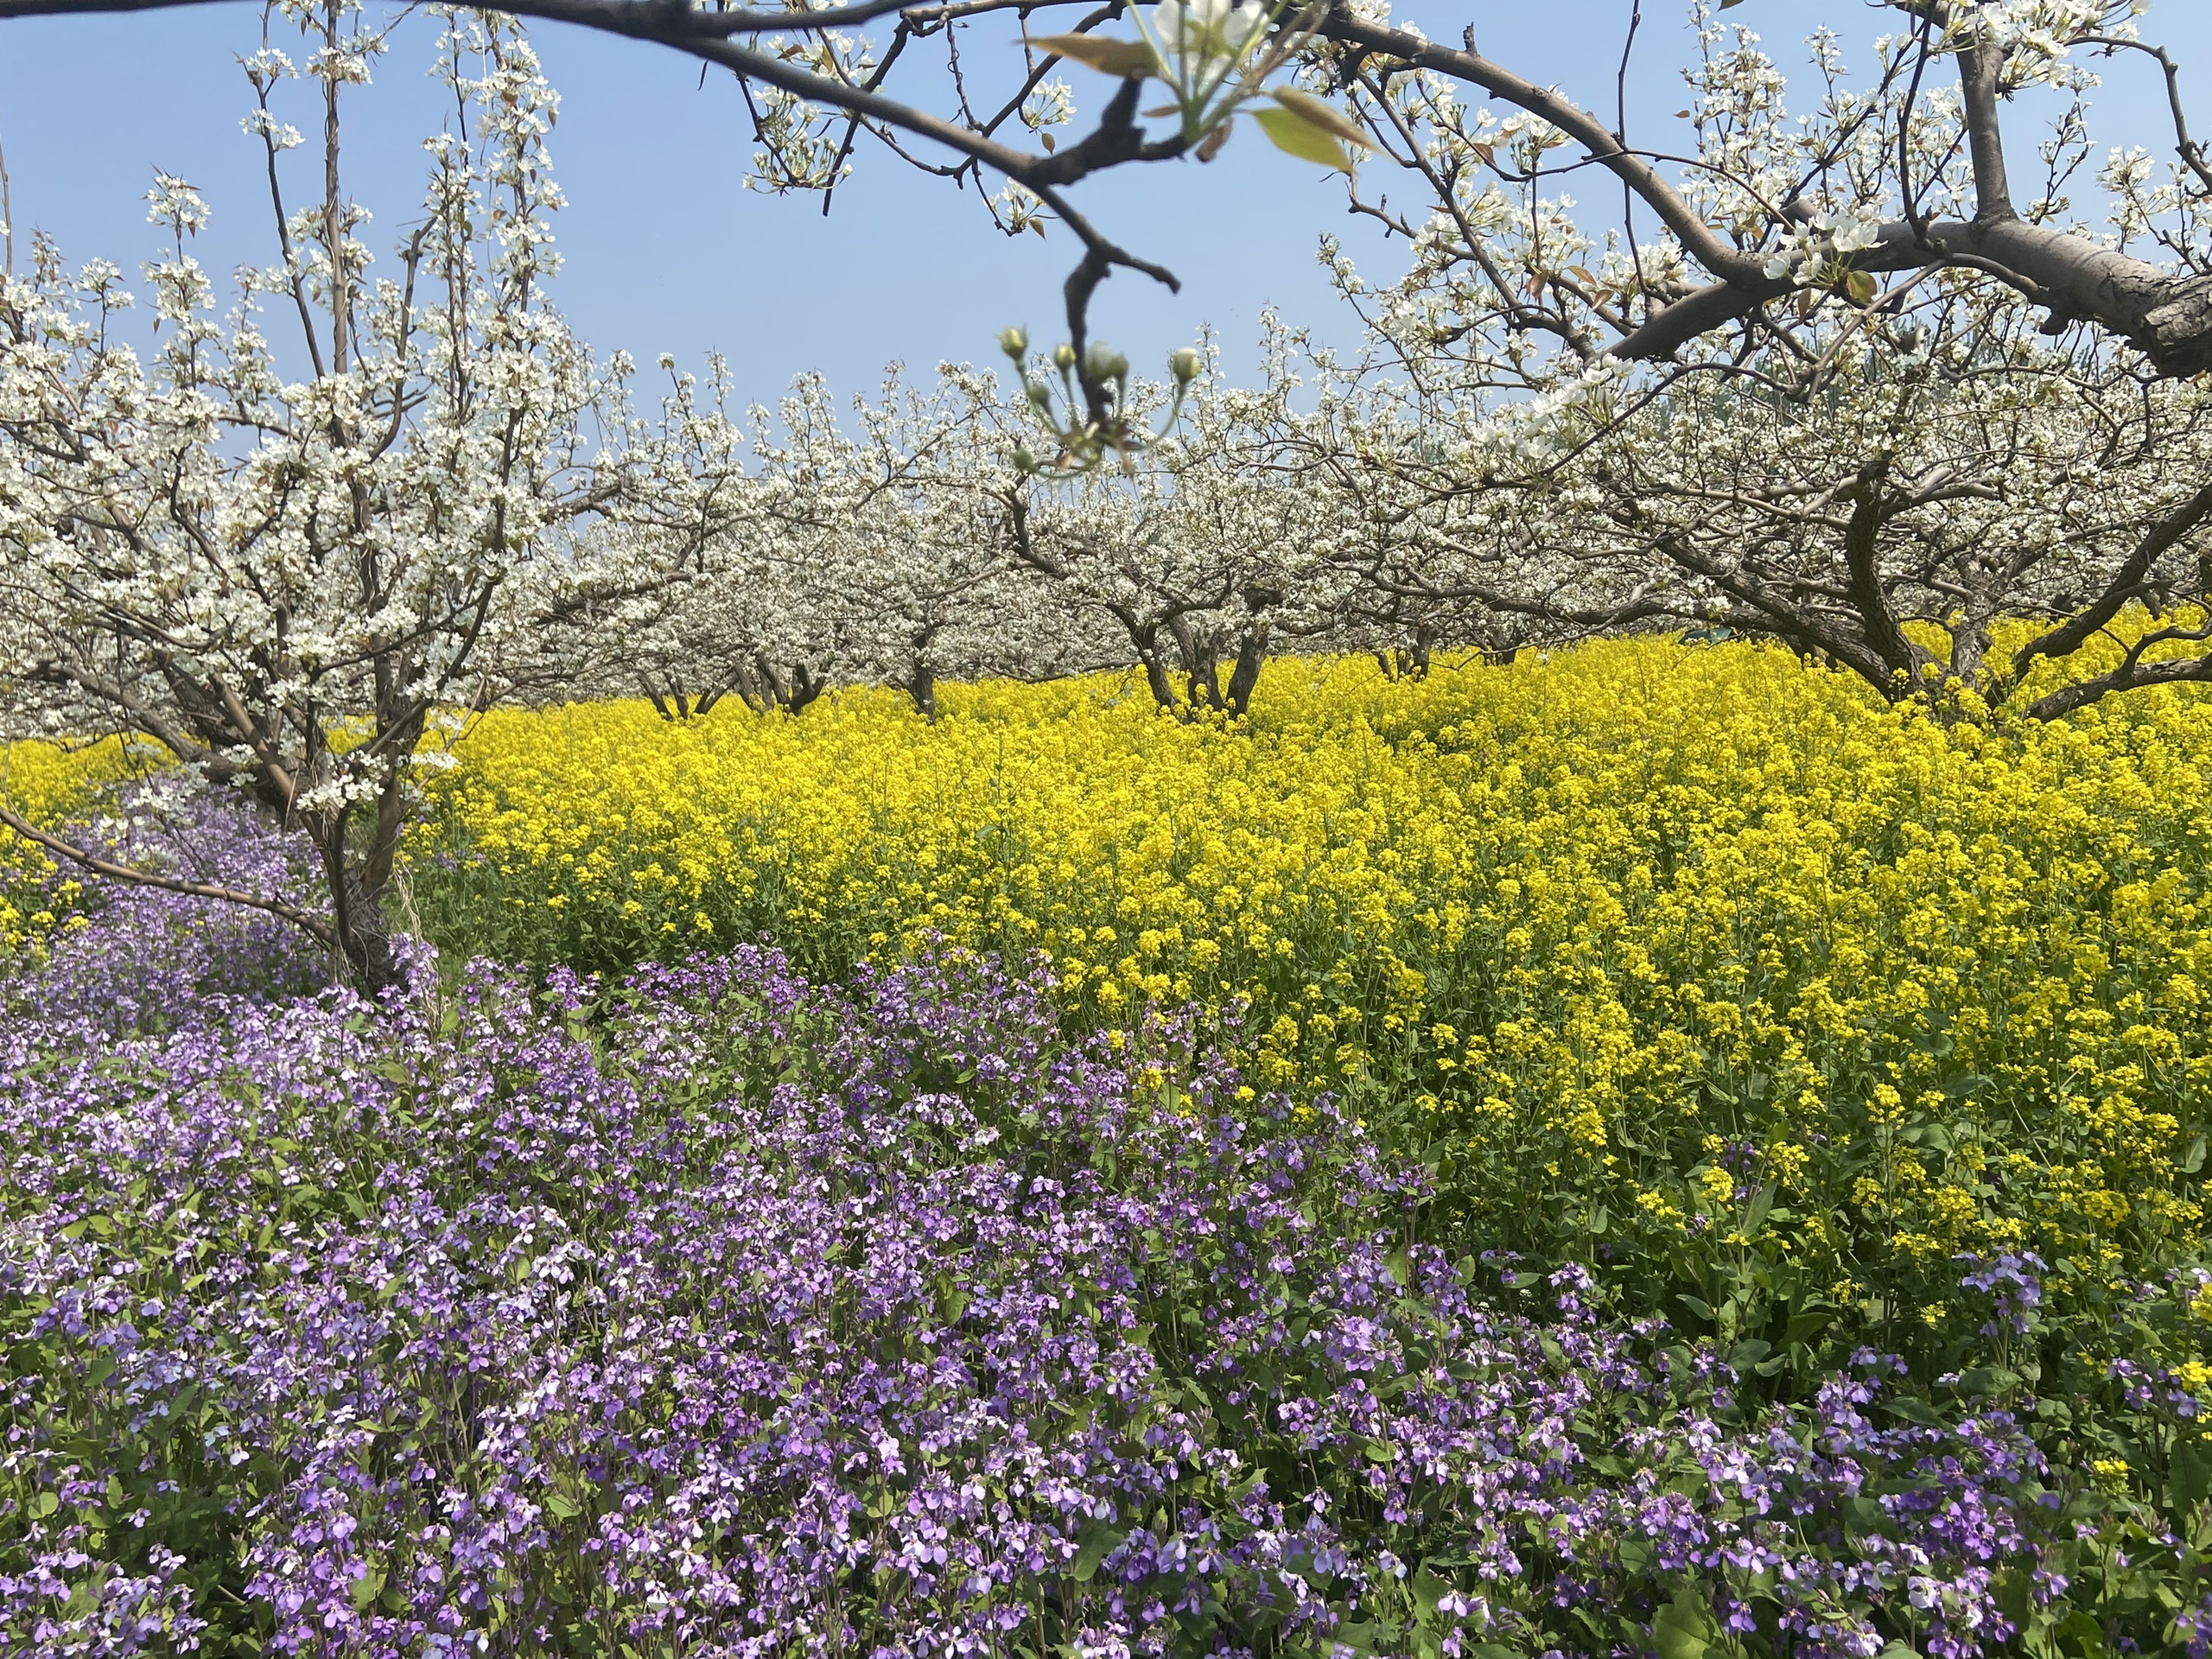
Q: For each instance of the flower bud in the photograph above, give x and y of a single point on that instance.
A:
(1064, 355)
(1015, 342)
(1024, 462)
(1102, 362)
(1040, 394)
(1184, 366)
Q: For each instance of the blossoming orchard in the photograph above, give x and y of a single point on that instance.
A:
(1535, 981)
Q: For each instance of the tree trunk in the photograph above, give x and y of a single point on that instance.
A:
(1144, 638)
(1201, 665)
(806, 686)
(1251, 657)
(921, 686)
(362, 935)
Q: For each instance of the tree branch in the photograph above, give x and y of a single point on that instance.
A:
(1706, 245)
(2132, 675)
(2071, 635)
(316, 929)
(2168, 317)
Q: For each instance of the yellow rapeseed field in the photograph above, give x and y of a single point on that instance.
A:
(1703, 953)
(44, 782)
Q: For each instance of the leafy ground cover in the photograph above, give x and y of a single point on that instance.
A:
(1644, 1153)
(714, 1310)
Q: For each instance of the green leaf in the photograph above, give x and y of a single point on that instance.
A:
(1428, 1590)
(1364, 1638)
(1807, 1323)
(1317, 112)
(2191, 1476)
(1861, 286)
(2193, 1159)
(1684, 1628)
(368, 1586)
(1095, 1549)
(1131, 60)
(1293, 134)
(1758, 1213)
(1988, 1379)
(1863, 1515)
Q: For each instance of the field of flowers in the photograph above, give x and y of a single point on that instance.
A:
(1647, 1152)
(46, 782)
(1700, 966)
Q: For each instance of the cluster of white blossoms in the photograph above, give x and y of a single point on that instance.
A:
(1821, 251)
(2046, 29)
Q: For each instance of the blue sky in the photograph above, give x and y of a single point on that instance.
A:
(665, 251)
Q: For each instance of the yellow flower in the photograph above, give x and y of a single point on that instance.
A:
(1602, 924)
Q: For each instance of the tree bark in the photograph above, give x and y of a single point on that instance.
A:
(360, 934)
(1251, 657)
(921, 687)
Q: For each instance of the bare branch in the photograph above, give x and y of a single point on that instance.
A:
(313, 926)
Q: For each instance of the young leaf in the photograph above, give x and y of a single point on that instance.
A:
(1860, 284)
(1131, 60)
(1292, 133)
(1323, 115)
